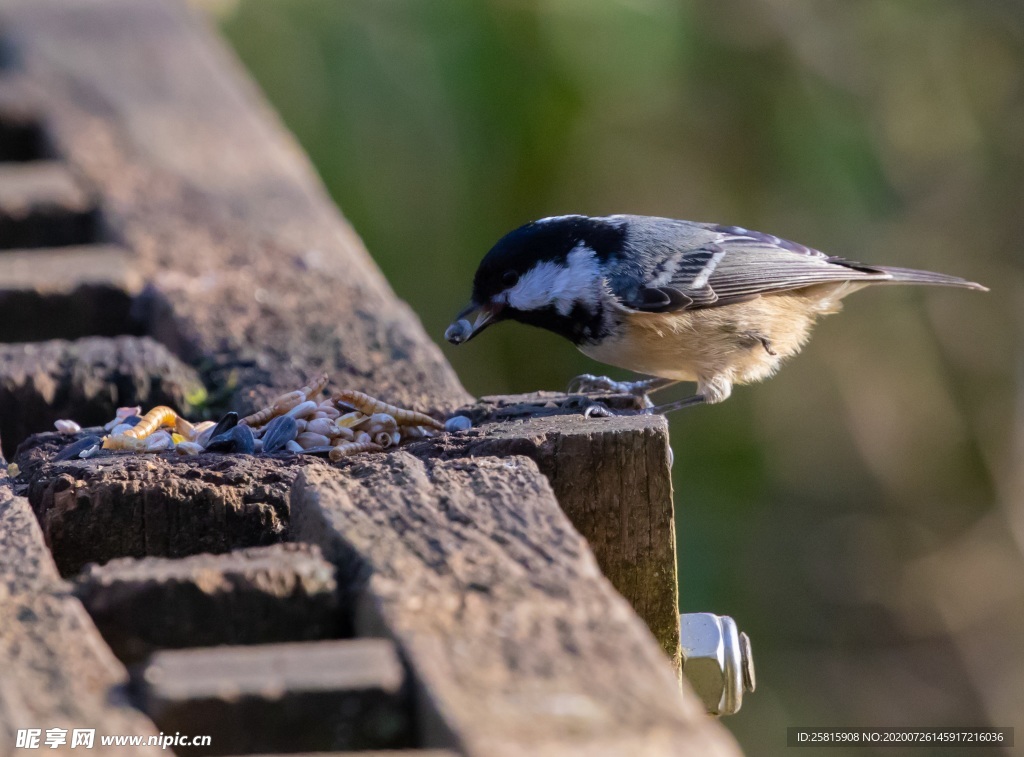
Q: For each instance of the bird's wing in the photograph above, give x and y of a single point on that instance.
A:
(711, 266)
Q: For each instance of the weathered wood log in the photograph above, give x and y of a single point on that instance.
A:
(55, 670)
(253, 275)
(288, 697)
(261, 595)
(42, 204)
(66, 292)
(128, 505)
(612, 478)
(21, 131)
(87, 380)
(500, 608)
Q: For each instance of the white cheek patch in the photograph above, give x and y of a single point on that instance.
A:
(563, 286)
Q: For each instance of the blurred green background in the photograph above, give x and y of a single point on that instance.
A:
(862, 514)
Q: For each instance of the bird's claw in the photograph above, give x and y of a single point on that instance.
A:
(597, 410)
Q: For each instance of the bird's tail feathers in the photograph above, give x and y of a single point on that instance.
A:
(912, 276)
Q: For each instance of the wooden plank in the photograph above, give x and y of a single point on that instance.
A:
(156, 505)
(87, 380)
(42, 204)
(61, 270)
(21, 132)
(56, 670)
(318, 695)
(518, 643)
(261, 595)
(253, 275)
(613, 479)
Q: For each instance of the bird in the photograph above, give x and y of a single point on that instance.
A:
(676, 301)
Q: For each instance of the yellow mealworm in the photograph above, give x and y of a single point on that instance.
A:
(364, 403)
(281, 404)
(285, 402)
(311, 390)
(353, 448)
(151, 421)
(123, 441)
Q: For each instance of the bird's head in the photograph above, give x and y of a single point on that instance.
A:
(549, 273)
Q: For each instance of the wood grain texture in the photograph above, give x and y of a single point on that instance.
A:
(612, 478)
(261, 595)
(519, 645)
(87, 380)
(318, 695)
(253, 275)
(42, 204)
(55, 670)
(157, 505)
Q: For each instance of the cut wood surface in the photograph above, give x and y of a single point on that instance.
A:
(155, 505)
(612, 477)
(55, 670)
(519, 643)
(261, 595)
(87, 380)
(348, 694)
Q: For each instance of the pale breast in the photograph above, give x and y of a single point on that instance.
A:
(735, 341)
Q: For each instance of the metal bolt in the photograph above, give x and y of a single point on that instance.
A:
(717, 660)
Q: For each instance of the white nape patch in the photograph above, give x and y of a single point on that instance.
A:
(562, 285)
(552, 219)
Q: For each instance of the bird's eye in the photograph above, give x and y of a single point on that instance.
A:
(509, 278)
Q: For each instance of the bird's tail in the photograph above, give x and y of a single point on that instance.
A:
(912, 276)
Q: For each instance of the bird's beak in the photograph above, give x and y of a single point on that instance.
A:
(462, 330)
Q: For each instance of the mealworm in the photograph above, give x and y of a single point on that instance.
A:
(123, 441)
(370, 405)
(161, 415)
(285, 402)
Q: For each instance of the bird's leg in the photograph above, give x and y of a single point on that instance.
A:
(697, 399)
(709, 390)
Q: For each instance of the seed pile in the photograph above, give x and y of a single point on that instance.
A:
(302, 422)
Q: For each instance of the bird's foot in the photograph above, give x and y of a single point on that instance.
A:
(597, 410)
(588, 407)
(587, 383)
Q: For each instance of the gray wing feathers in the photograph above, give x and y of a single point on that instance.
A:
(711, 265)
(689, 265)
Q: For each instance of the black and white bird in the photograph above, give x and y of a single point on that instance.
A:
(676, 300)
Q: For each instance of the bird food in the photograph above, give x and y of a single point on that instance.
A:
(298, 422)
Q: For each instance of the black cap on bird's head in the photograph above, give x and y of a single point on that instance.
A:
(545, 273)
